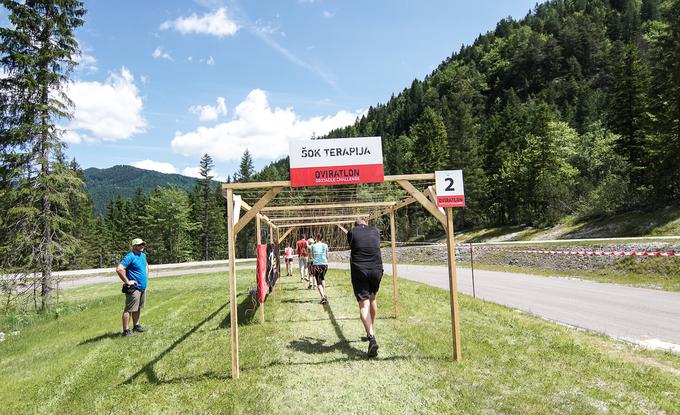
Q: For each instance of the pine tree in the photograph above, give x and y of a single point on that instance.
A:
(206, 206)
(246, 169)
(37, 53)
(628, 108)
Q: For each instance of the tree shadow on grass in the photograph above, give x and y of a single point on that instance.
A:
(245, 313)
(100, 337)
(318, 346)
(299, 301)
(148, 369)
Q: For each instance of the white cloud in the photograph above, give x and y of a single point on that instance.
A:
(210, 113)
(328, 14)
(158, 53)
(109, 111)
(264, 131)
(86, 62)
(155, 166)
(210, 61)
(217, 24)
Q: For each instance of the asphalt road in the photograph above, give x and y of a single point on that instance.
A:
(650, 318)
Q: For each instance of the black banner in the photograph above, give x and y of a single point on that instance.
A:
(273, 265)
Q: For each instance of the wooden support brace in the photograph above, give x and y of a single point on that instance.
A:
(282, 237)
(256, 209)
(342, 228)
(422, 199)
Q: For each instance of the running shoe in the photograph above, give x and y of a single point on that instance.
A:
(127, 333)
(139, 328)
(372, 347)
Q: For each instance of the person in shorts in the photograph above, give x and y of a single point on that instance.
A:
(367, 270)
(318, 270)
(301, 248)
(133, 270)
(288, 257)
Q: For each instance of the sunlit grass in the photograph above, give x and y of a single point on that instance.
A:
(307, 358)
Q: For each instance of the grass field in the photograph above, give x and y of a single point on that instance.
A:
(307, 358)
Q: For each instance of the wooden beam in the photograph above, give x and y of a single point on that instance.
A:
(285, 218)
(288, 225)
(282, 237)
(397, 206)
(432, 195)
(231, 235)
(247, 207)
(414, 177)
(286, 183)
(329, 206)
(395, 291)
(453, 286)
(422, 199)
(254, 185)
(256, 209)
(341, 228)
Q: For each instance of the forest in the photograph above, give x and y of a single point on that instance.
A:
(573, 110)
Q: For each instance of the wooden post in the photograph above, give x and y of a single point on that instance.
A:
(235, 371)
(453, 286)
(258, 225)
(395, 291)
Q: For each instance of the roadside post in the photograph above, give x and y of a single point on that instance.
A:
(450, 194)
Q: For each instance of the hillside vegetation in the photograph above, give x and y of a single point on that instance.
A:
(105, 185)
(572, 110)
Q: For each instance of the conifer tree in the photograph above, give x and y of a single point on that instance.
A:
(37, 53)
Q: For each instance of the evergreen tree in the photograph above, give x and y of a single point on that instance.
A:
(37, 53)
(665, 146)
(169, 225)
(628, 107)
(206, 206)
(246, 169)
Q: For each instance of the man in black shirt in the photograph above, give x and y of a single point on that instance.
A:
(367, 270)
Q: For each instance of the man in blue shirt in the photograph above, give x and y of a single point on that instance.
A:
(133, 270)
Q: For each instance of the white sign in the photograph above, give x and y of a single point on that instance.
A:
(450, 191)
(336, 161)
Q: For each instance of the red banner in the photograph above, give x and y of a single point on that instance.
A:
(323, 176)
(261, 273)
(451, 201)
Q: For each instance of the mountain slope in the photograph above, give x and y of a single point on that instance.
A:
(105, 184)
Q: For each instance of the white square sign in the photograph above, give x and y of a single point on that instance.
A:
(450, 191)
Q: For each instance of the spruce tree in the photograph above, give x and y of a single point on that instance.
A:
(246, 168)
(37, 54)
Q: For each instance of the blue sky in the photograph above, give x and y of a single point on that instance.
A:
(163, 82)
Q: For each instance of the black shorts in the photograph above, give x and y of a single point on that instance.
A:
(365, 282)
(319, 272)
(288, 259)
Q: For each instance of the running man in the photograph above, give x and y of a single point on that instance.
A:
(301, 248)
(367, 270)
(320, 255)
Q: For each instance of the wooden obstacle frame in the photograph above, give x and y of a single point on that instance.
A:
(257, 211)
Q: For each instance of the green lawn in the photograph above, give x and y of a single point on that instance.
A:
(307, 358)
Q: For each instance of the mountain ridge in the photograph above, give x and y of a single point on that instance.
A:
(104, 185)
